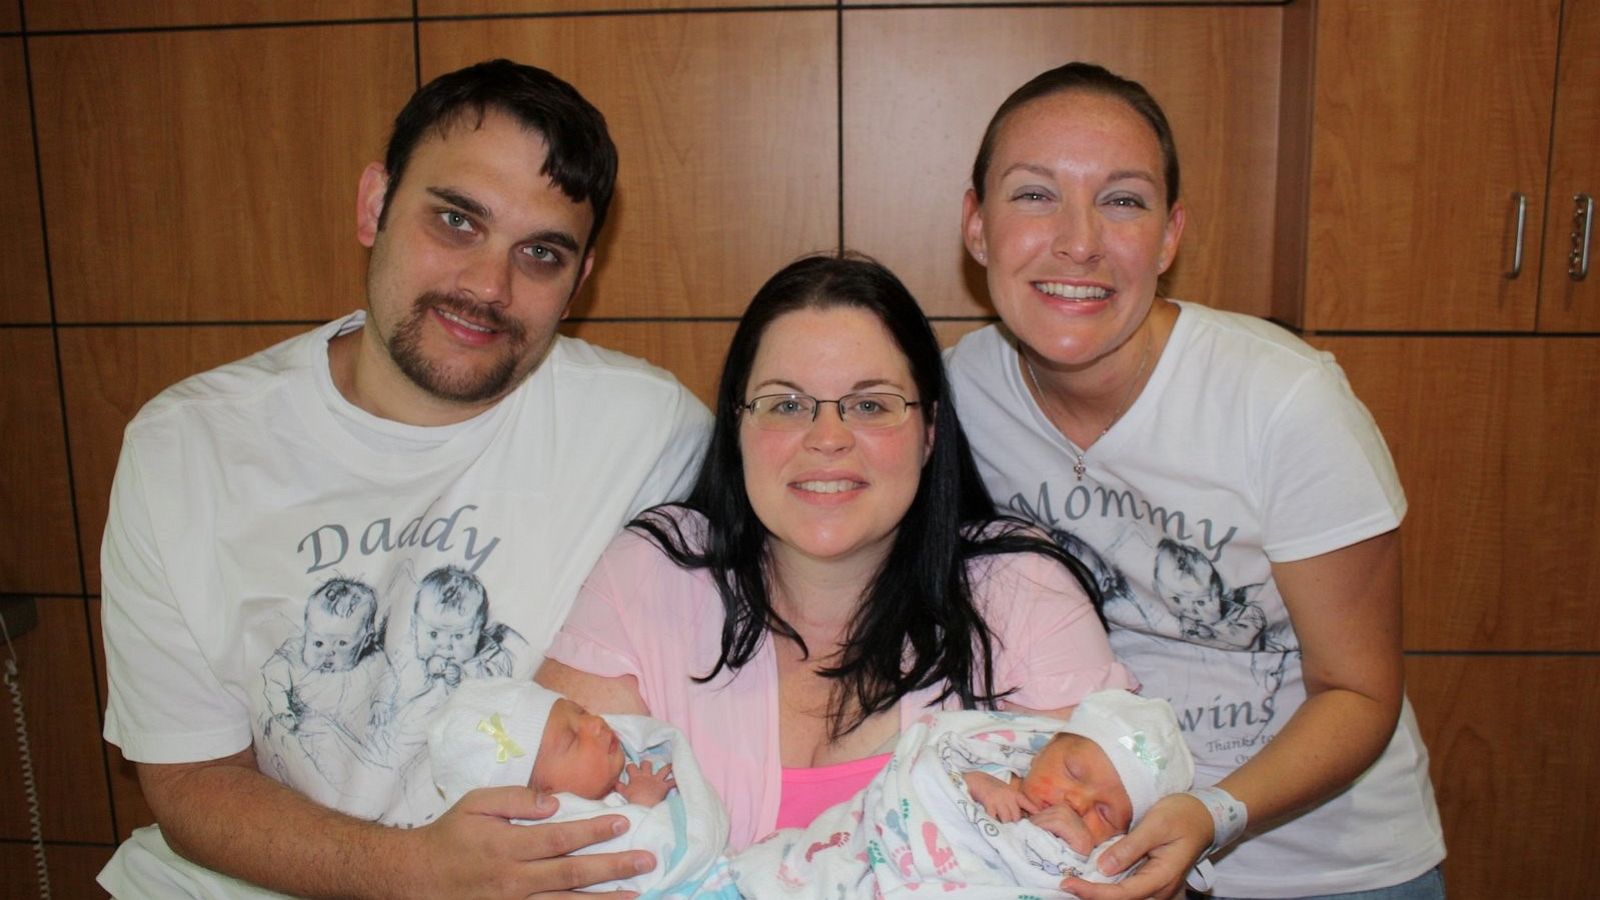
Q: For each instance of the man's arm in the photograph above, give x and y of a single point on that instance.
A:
(225, 815)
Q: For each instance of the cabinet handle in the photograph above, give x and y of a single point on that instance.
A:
(1521, 204)
(1582, 230)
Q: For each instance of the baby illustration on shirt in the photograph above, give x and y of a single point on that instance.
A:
(321, 685)
(1207, 610)
(500, 732)
(454, 636)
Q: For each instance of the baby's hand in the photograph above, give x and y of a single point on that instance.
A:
(1000, 799)
(644, 787)
(1061, 821)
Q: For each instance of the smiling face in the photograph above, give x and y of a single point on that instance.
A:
(827, 492)
(1074, 228)
(476, 263)
(1074, 771)
(578, 754)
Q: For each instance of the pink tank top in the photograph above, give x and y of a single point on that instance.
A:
(807, 792)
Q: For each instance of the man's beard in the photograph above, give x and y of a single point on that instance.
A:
(470, 386)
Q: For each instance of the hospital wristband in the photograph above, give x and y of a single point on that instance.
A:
(1228, 816)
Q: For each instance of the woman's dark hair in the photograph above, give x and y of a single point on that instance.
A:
(917, 625)
(580, 156)
(1088, 77)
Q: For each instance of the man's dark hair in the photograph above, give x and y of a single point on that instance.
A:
(582, 160)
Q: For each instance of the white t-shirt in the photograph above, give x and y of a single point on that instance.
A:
(1247, 447)
(283, 570)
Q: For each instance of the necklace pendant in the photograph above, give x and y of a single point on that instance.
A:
(1078, 468)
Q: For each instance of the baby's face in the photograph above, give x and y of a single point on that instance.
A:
(1074, 771)
(579, 754)
(452, 634)
(1187, 594)
(332, 642)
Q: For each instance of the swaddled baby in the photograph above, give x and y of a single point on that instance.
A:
(497, 732)
(1115, 757)
(973, 801)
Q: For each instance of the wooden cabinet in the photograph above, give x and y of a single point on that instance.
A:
(1410, 134)
(1443, 156)
(1494, 442)
(1509, 769)
(1567, 302)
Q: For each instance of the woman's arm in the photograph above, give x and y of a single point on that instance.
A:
(1345, 608)
(596, 693)
(1049, 644)
(1061, 713)
(1064, 712)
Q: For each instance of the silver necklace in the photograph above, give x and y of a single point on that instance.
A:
(1079, 467)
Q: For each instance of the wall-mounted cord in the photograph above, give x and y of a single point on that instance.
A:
(30, 787)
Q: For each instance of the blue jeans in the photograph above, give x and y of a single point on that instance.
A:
(1427, 886)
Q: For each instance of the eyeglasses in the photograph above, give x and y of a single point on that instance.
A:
(796, 412)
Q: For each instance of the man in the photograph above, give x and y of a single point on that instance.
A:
(308, 550)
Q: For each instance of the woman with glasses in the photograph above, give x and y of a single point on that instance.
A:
(837, 570)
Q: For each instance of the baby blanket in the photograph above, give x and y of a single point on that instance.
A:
(687, 832)
(916, 827)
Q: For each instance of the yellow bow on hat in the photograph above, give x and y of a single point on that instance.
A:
(505, 747)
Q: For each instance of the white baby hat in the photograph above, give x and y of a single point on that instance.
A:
(487, 734)
(1142, 739)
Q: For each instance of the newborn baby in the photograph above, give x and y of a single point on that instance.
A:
(974, 801)
(497, 732)
(1115, 757)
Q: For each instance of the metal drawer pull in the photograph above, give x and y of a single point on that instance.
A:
(1582, 230)
(1521, 201)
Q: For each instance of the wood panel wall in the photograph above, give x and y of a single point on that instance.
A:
(180, 178)
(1497, 448)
